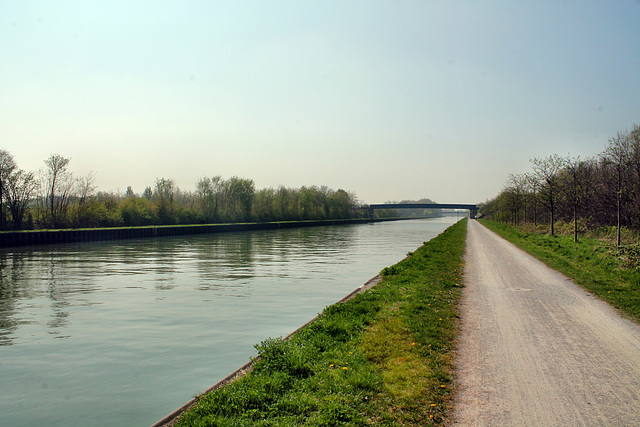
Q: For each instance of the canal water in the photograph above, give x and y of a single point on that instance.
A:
(122, 333)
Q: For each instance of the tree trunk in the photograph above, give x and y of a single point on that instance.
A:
(553, 217)
(575, 223)
(618, 231)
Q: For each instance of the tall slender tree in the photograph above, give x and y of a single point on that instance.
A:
(58, 185)
(576, 178)
(547, 170)
(7, 168)
(618, 154)
(634, 173)
(517, 186)
(532, 189)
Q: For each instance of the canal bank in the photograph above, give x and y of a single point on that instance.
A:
(377, 357)
(171, 419)
(123, 332)
(48, 237)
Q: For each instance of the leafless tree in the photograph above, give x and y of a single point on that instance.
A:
(517, 185)
(634, 172)
(576, 179)
(618, 154)
(7, 168)
(547, 170)
(20, 187)
(58, 187)
(533, 187)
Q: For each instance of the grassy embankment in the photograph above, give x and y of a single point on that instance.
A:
(382, 358)
(611, 273)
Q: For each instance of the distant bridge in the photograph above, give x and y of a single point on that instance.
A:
(473, 209)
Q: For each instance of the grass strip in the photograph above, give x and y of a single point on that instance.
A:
(610, 272)
(384, 357)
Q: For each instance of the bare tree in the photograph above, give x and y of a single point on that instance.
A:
(546, 171)
(577, 178)
(20, 186)
(517, 185)
(533, 187)
(7, 168)
(609, 183)
(634, 172)
(58, 186)
(618, 154)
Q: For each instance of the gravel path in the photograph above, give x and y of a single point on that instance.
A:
(537, 350)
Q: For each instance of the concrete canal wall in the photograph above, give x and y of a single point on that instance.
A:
(46, 237)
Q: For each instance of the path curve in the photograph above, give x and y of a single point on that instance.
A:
(535, 349)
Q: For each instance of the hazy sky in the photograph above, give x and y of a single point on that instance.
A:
(391, 100)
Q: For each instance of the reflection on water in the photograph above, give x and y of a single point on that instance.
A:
(121, 333)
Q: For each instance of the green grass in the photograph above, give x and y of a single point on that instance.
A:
(612, 273)
(383, 358)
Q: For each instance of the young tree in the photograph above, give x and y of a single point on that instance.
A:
(618, 155)
(634, 174)
(517, 185)
(576, 178)
(546, 171)
(532, 189)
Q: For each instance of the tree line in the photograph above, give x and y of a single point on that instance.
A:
(408, 213)
(603, 190)
(54, 198)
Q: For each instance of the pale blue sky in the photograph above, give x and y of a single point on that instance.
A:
(389, 99)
